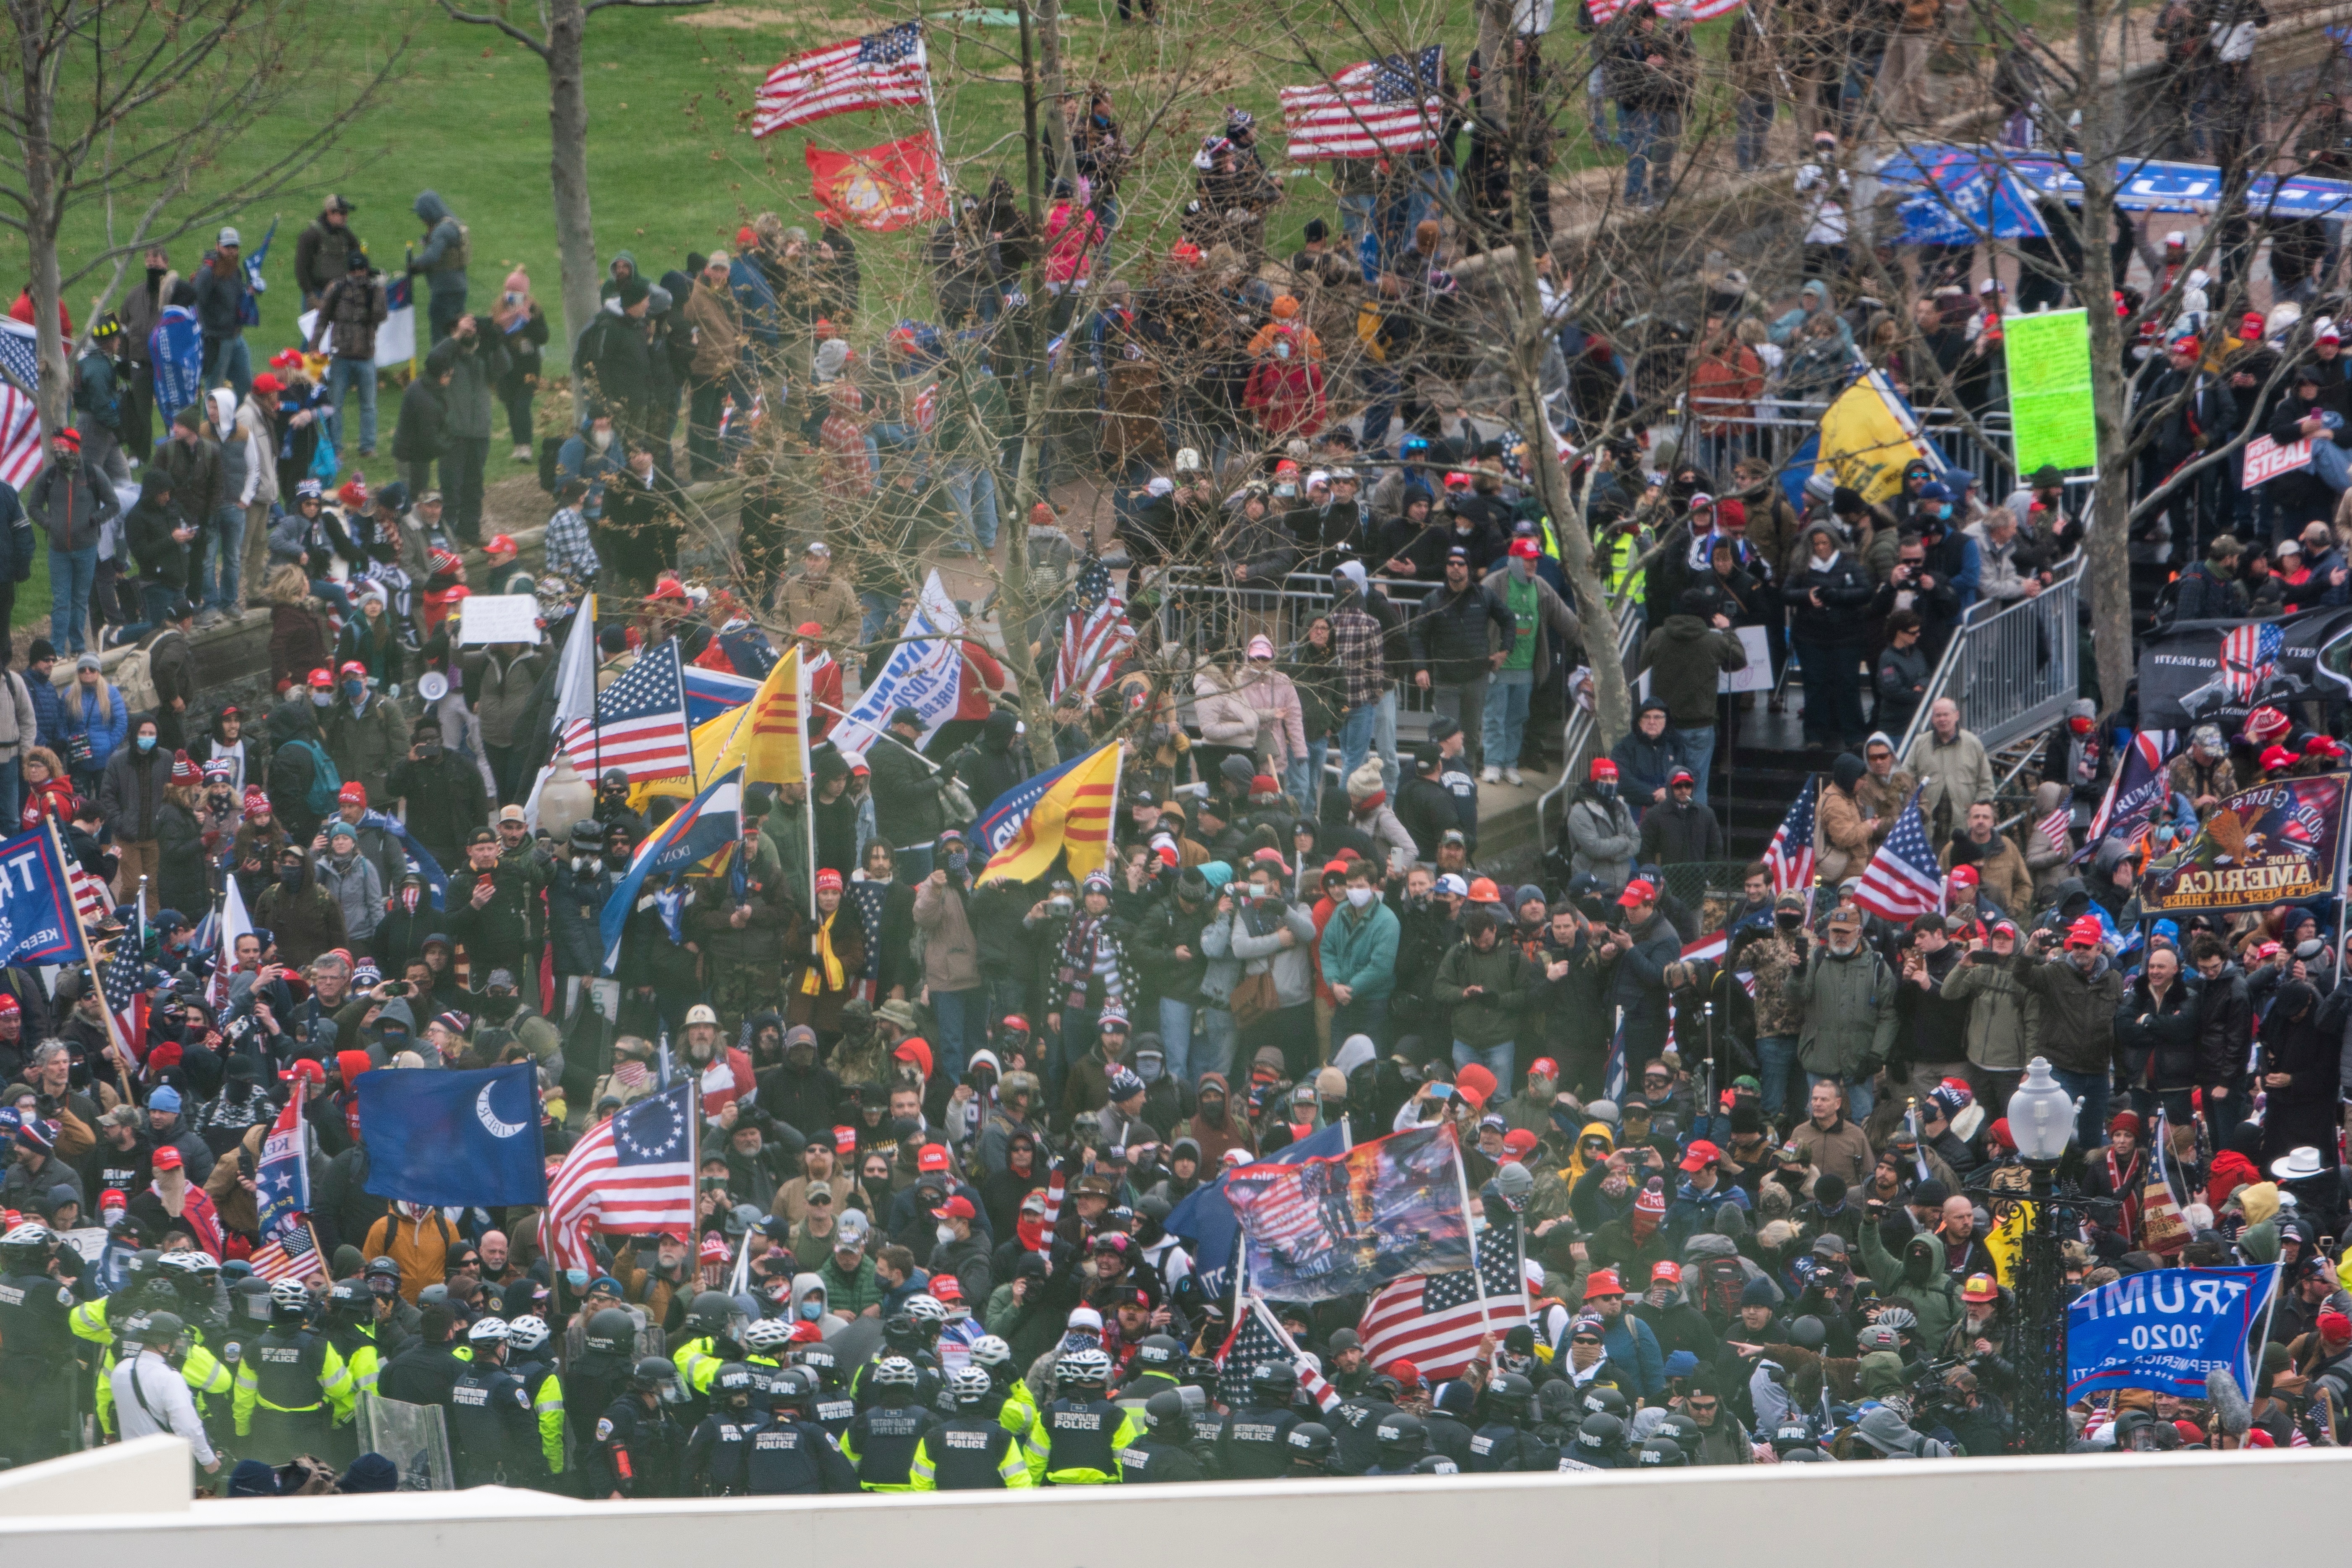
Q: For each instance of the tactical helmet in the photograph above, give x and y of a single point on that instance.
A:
(1606, 1398)
(1166, 1409)
(1083, 1366)
(767, 1334)
(1309, 1440)
(487, 1331)
(896, 1372)
(1510, 1394)
(654, 1373)
(1435, 1465)
(612, 1331)
(789, 1389)
(1660, 1453)
(734, 1382)
(1601, 1433)
(1159, 1352)
(1271, 1383)
(1400, 1437)
(927, 1309)
(713, 1313)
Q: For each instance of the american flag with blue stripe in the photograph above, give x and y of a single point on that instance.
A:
(1903, 881)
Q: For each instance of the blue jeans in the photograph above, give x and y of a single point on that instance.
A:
(1509, 692)
(1176, 1037)
(2091, 1089)
(1382, 387)
(1364, 1015)
(71, 573)
(1356, 727)
(963, 1016)
(880, 609)
(1649, 135)
(1295, 782)
(1753, 113)
(1497, 1058)
(218, 555)
(1384, 739)
(1695, 746)
(155, 604)
(1778, 1055)
(1858, 1097)
(971, 487)
(360, 375)
(228, 360)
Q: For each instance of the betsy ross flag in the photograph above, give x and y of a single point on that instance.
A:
(640, 725)
(1096, 634)
(20, 417)
(1903, 881)
(629, 1176)
(1435, 1321)
(879, 69)
(1790, 855)
(1376, 109)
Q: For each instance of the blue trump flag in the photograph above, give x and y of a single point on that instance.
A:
(707, 826)
(1206, 1218)
(436, 880)
(36, 915)
(454, 1139)
(2167, 1328)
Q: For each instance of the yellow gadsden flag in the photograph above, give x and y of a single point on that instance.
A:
(765, 735)
(1071, 812)
(1867, 437)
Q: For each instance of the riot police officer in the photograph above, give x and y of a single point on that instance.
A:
(766, 1344)
(1168, 1450)
(829, 1404)
(790, 1455)
(1600, 1444)
(715, 1322)
(911, 1339)
(1403, 1441)
(602, 1372)
(1250, 1447)
(1075, 1437)
(1660, 1453)
(1309, 1445)
(1498, 1443)
(638, 1443)
(1353, 1421)
(1159, 1364)
(1016, 1407)
(493, 1436)
(529, 1360)
(36, 1363)
(292, 1386)
(970, 1450)
(716, 1450)
(883, 1437)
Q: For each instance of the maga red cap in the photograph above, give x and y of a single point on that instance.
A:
(167, 1158)
(1668, 1270)
(933, 1157)
(322, 676)
(1603, 1282)
(2085, 932)
(1637, 891)
(1544, 1066)
(1475, 1084)
(500, 544)
(2278, 757)
(1603, 769)
(1525, 549)
(353, 793)
(1518, 1143)
(1700, 1156)
(957, 1207)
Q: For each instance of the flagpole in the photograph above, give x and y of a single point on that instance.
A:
(800, 696)
(1469, 1222)
(939, 138)
(89, 961)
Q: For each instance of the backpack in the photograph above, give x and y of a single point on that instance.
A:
(551, 455)
(134, 678)
(325, 783)
(458, 256)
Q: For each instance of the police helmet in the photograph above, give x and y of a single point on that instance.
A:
(612, 1331)
(1510, 1394)
(1165, 1410)
(527, 1332)
(487, 1331)
(1159, 1352)
(713, 1313)
(970, 1385)
(1660, 1453)
(1435, 1465)
(1400, 1437)
(1085, 1366)
(1271, 1383)
(896, 1372)
(767, 1334)
(288, 1299)
(1309, 1440)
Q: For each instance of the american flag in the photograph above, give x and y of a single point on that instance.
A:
(1436, 1321)
(1615, 1075)
(1096, 634)
(1790, 855)
(1258, 1338)
(631, 1174)
(293, 1255)
(20, 417)
(640, 726)
(2248, 655)
(90, 895)
(1903, 881)
(124, 979)
(2054, 826)
(1056, 1184)
(1603, 12)
(1375, 109)
(881, 67)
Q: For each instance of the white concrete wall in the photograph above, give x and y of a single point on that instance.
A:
(2034, 1513)
(146, 1475)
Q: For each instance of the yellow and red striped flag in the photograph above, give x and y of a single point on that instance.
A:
(1073, 815)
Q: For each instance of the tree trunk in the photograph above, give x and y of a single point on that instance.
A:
(2107, 538)
(53, 391)
(567, 118)
(1049, 111)
(1013, 599)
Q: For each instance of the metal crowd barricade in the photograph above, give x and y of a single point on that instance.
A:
(1203, 609)
(1774, 430)
(2015, 668)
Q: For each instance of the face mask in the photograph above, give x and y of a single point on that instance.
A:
(1359, 896)
(811, 1311)
(1286, 491)
(354, 690)
(146, 742)
(321, 698)
(583, 863)
(219, 798)
(1282, 351)
(289, 875)
(944, 1234)
(1605, 790)
(577, 1278)
(957, 861)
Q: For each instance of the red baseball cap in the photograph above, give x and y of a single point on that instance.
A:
(947, 1286)
(1700, 1156)
(1603, 1282)
(167, 1158)
(1544, 1066)
(1519, 1143)
(1526, 549)
(1667, 1271)
(933, 1157)
(957, 1207)
(352, 794)
(2085, 932)
(1637, 891)
(322, 676)
(1407, 1374)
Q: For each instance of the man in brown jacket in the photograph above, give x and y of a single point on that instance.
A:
(2001, 866)
(718, 324)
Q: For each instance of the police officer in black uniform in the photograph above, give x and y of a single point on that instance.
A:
(1448, 1420)
(291, 1384)
(1354, 1419)
(789, 1454)
(716, 1451)
(1169, 1451)
(1157, 1364)
(910, 1339)
(493, 1435)
(882, 1438)
(1310, 1448)
(970, 1451)
(828, 1404)
(1250, 1446)
(1499, 1444)
(36, 1362)
(600, 1373)
(638, 1443)
(1403, 1441)
(1600, 1444)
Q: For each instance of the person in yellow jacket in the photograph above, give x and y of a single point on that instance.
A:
(1075, 1437)
(528, 1363)
(713, 1323)
(1019, 1409)
(971, 1450)
(292, 1385)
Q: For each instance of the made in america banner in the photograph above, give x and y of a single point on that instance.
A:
(1348, 1225)
(2275, 843)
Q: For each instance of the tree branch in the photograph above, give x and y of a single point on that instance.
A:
(475, 19)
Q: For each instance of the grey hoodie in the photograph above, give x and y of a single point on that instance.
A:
(443, 257)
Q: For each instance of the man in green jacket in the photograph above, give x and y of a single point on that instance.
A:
(1847, 994)
(1489, 983)
(1359, 952)
(2077, 991)
(1919, 1278)
(1684, 656)
(851, 1286)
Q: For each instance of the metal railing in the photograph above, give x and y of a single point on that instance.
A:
(2012, 668)
(1776, 430)
(1206, 610)
(1579, 737)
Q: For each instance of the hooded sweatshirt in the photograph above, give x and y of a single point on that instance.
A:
(443, 257)
(1227, 1131)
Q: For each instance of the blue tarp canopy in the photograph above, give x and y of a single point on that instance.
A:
(1963, 193)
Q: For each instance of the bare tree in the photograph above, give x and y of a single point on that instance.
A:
(132, 107)
(562, 37)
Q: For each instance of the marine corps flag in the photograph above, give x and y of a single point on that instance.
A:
(1073, 814)
(880, 188)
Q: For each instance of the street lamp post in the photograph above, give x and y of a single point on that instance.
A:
(2042, 1118)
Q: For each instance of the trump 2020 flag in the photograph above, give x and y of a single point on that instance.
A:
(282, 1180)
(707, 825)
(2166, 1328)
(1348, 1224)
(1207, 1219)
(454, 1139)
(37, 916)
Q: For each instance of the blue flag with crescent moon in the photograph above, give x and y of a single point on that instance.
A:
(454, 1139)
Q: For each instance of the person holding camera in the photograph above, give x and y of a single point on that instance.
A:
(951, 980)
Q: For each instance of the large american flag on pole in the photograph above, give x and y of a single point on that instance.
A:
(1096, 634)
(1903, 881)
(631, 1174)
(1375, 109)
(879, 69)
(1790, 855)
(20, 416)
(641, 725)
(1436, 1321)
(124, 978)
